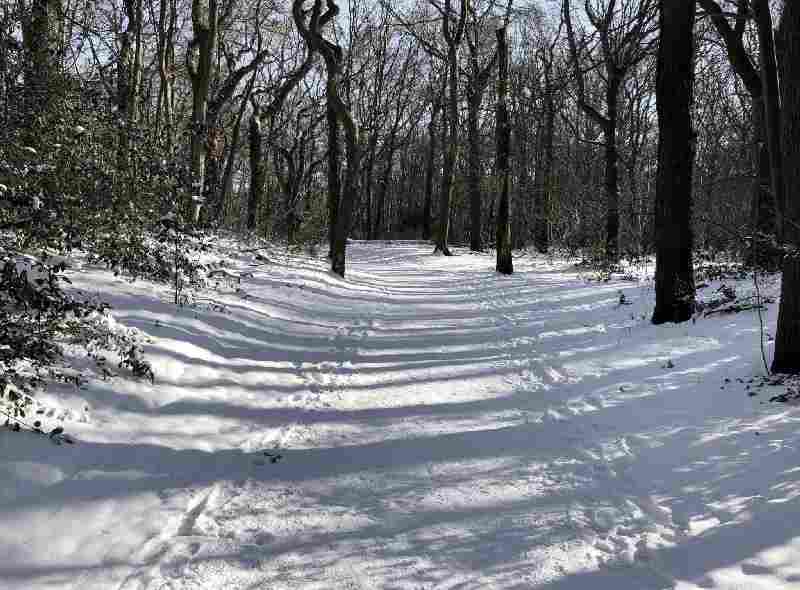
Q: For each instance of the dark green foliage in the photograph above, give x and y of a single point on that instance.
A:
(60, 190)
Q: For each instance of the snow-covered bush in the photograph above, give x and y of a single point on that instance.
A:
(37, 318)
(168, 252)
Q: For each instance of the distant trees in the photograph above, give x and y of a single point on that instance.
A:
(291, 123)
(761, 84)
(624, 31)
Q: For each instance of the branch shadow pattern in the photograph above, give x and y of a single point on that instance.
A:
(498, 504)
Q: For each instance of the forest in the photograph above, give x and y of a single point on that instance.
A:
(225, 224)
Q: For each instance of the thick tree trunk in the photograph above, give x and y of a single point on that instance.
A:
(505, 264)
(675, 291)
(787, 339)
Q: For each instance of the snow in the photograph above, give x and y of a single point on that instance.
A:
(428, 424)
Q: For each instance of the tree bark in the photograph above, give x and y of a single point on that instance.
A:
(478, 81)
(543, 177)
(227, 176)
(42, 59)
(257, 168)
(452, 37)
(675, 290)
(430, 167)
(787, 339)
(165, 43)
(334, 180)
(474, 171)
(611, 173)
(200, 64)
(505, 264)
(268, 113)
(449, 163)
(310, 25)
(772, 109)
(129, 76)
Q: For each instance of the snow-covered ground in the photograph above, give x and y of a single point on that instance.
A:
(438, 425)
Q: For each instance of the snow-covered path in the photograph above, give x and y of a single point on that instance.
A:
(439, 426)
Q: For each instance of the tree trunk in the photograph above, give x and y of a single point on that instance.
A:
(383, 188)
(543, 180)
(787, 339)
(227, 176)
(763, 208)
(474, 170)
(349, 194)
(772, 122)
(430, 170)
(200, 64)
(505, 264)
(350, 188)
(166, 70)
(43, 60)
(611, 173)
(334, 180)
(129, 65)
(450, 149)
(675, 291)
(257, 169)
(368, 181)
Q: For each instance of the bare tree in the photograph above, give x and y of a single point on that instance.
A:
(761, 85)
(478, 76)
(310, 25)
(453, 26)
(625, 32)
(261, 118)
